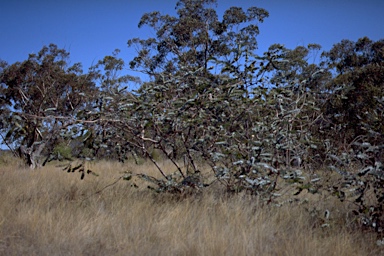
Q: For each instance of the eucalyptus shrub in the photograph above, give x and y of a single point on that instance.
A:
(250, 139)
(266, 140)
(361, 175)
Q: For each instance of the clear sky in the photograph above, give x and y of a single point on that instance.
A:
(92, 29)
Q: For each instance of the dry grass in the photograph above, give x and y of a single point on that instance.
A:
(50, 212)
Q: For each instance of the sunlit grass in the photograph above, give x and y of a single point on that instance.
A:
(51, 212)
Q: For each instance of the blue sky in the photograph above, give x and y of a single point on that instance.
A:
(92, 29)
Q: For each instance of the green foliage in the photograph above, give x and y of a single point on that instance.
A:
(62, 151)
(5, 158)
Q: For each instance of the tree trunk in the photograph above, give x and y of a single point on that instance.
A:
(32, 154)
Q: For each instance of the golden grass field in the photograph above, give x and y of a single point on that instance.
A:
(51, 212)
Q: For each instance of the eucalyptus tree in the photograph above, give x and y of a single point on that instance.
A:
(196, 38)
(194, 56)
(357, 86)
(208, 98)
(44, 96)
(5, 108)
(355, 109)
